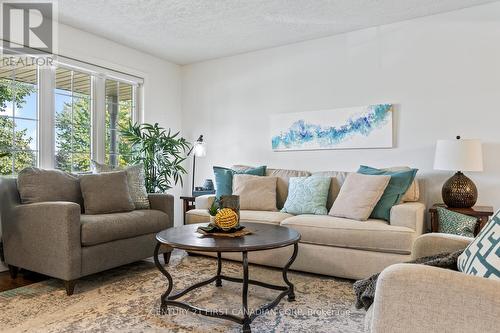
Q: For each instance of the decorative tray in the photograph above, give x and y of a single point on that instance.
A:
(213, 230)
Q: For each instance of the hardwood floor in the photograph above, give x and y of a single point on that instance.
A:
(23, 278)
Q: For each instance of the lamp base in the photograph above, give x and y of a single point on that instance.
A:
(459, 191)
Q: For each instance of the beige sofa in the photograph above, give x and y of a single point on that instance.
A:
(330, 245)
(418, 298)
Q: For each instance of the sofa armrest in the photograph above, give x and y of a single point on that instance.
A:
(409, 214)
(434, 243)
(45, 237)
(420, 298)
(204, 201)
(165, 203)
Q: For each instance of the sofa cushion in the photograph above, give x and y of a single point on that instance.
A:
(358, 196)
(202, 216)
(284, 176)
(307, 195)
(338, 178)
(371, 235)
(103, 228)
(224, 178)
(255, 192)
(106, 193)
(39, 185)
(480, 257)
(455, 223)
(413, 192)
(398, 185)
(136, 182)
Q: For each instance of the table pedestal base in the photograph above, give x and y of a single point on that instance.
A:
(170, 300)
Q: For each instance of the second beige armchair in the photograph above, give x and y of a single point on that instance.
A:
(418, 298)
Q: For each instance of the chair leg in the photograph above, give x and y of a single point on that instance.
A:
(70, 287)
(13, 270)
(166, 257)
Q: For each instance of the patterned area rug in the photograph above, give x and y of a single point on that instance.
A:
(126, 299)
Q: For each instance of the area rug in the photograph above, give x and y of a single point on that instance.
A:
(126, 299)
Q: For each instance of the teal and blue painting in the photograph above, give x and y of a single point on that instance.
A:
(348, 128)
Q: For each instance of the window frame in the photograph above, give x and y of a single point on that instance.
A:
(118, 104)
(71, 94)
(46, 92)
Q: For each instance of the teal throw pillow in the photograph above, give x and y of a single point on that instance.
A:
(455, 223)
(307, 195)
(480, 258)
(394, 192)
(224, 178)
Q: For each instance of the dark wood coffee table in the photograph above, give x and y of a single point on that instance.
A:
(263, 237)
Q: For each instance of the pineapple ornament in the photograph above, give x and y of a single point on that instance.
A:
(226, 219)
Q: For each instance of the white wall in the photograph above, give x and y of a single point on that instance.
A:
(443, 72)
(162, 99)
(162, 89)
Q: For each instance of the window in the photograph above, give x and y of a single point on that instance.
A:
(18, 118)
(120, 108)
(64, 117)
(73, 121)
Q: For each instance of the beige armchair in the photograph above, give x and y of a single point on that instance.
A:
(418, 298)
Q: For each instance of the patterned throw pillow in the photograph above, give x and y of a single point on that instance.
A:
(136, 182)
(307, 195)
(482, 256)
(456, 223)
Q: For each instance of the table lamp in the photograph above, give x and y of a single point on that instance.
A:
(198, 150)
(459, 155)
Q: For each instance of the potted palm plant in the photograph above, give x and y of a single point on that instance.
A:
(161, 152)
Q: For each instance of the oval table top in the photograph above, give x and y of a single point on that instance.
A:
(263, 237)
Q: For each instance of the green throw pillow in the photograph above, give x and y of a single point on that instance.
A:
(456, 223)
(307, 195)
(394, 192)
(224, 178)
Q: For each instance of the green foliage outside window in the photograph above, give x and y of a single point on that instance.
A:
(73, 131)
(13, 92)
(73, 136)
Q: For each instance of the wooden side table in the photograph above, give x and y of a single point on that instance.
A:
(188, 203)
(482, 213)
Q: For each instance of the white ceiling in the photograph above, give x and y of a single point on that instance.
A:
(187, 31)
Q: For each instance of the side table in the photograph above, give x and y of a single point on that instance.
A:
(188, 203)
(482, 213)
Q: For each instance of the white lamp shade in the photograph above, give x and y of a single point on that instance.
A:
(199, 149)
(459, 155)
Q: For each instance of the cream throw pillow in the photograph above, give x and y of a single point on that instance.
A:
(358, 196)
(256, 192)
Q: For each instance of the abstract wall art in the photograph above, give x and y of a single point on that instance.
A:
(347, 128)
